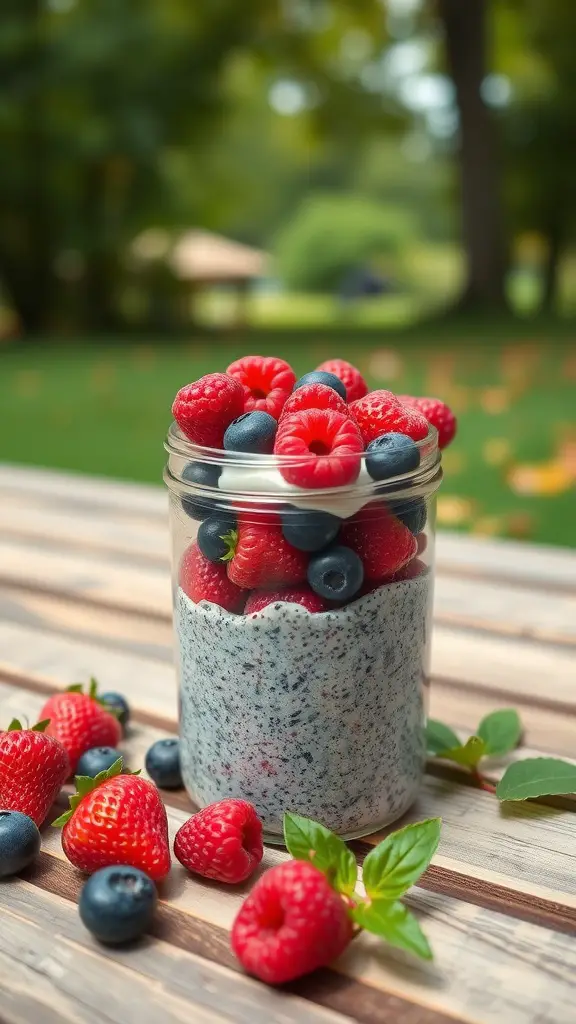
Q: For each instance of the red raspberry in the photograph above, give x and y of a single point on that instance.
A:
(263, 559)
(437, 413)
(352, 379)
(223, 841)
(266, 382)
(295, 595)
(331, 442)
(203, 580)
(291, 923)
(380, 412)
(314, 396)
(205, 408)
(383, 543)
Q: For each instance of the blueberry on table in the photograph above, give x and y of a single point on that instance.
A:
(19, 842)
(119, 704)
(117, 904)
(205, 476)
(253, 432)
(96, 760)
(391, 455)
(309, 530)
(413, 513)
(215, 537)
(163, 764)
(336, 573)
(322, 377)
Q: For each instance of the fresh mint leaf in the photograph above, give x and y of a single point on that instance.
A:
(399, 860)
(500, 731)
(392, 921)
(537, 776)
(439, 737)
(467, 754)
(308, 840)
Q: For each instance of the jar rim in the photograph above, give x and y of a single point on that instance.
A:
(181, 452)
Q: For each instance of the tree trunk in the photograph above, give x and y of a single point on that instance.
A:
(555, 239)
(465, 30)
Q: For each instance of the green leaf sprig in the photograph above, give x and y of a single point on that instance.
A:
(497, 734)
(389, 870)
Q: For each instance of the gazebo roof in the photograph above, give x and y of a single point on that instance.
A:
(202, 256)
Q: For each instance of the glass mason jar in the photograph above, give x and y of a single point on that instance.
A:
(318, 712)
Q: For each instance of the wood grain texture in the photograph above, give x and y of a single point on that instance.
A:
(537, 566)
(380, 984)
(209, 989)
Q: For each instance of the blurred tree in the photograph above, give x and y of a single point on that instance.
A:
(100, 104)
(333, 234)
(465, 29)
(541, 133)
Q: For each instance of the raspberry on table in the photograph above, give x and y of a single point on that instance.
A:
(266, 383)
(263, 559)
(291, 923)
(351, 377)
(437, 413)
(326, 444)
(223, 841)
(314, 396)
(206, 407)
(302, 595)
(380, 412)
(382, 542)
(202, 580)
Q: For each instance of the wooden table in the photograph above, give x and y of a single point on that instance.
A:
(84, 568)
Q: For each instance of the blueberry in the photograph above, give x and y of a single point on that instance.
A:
(211, 534)
(163, 764)
(117, 904)
(204, 475)
(119, 704)
(19, 842)
(309, 530)
(97, 760)
(392, 455)
(337, 573)
(251, 432)
(412, 513)
(322, 377)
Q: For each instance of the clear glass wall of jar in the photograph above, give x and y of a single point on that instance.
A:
(318, 712)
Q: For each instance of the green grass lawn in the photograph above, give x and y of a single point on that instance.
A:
(104, 408)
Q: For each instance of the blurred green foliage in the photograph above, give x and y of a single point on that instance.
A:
(331, 234)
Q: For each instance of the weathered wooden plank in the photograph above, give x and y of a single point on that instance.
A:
(534, 565)
(527, 970)
(75, 489)
(94, 577)
(159, 968)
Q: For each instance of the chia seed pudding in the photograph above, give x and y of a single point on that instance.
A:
(319, 714)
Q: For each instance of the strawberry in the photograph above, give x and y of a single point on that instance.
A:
(303, 595)
(261, 559)
(437, 413)
(383, 543)
(381, 412)
(203, 580)
(116, 819)
(80, 721)
(33, 768)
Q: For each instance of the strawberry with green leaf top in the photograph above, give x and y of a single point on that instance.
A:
(81, 721)
(33, 768)
(116, 819)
